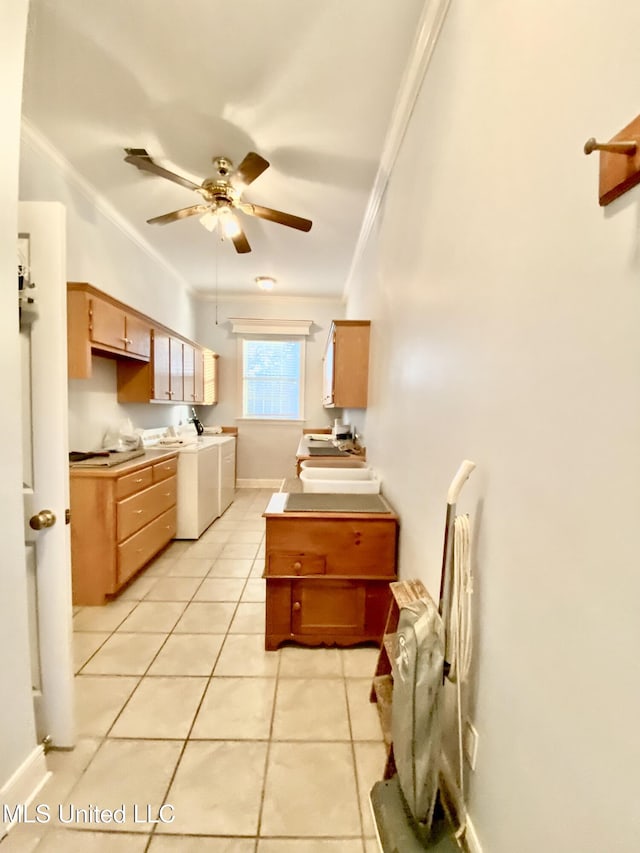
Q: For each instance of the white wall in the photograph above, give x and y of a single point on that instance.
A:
(17, 732)
(117, 262)
(266, 450)
(505, 307)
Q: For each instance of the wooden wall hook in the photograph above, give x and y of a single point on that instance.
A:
(618, 174)
(627, 148)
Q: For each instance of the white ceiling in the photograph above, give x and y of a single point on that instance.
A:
(308, 85)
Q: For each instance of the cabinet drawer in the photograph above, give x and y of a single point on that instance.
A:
(139, 509)
(295, 563)
(162, 470)
(139, 548)
(132, 483)
(351, 547)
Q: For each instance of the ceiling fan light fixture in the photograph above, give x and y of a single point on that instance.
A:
(210, 220)
(228, 223)
(265, 282)
(221, 220)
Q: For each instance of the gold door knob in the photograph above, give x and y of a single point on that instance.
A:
(45, 518)
(296, 605)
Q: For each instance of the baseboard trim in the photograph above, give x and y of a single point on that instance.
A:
(258, 484)
(461, 815)
(24, 784)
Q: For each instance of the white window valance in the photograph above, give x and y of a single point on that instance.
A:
(259, 326)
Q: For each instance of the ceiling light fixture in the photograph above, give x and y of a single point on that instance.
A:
(265, 282)
(223, 220)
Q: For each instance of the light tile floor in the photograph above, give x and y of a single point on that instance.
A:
(177, 703)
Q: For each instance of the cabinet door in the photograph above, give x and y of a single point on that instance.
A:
(138, 336)
(198, 376)
(328, 607)
(188, 372)
(176, 348)
(107, 324)
(328, 370)
(210, 377)
(346, 364)
(161, 366)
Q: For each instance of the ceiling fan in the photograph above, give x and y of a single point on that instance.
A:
(222, 195)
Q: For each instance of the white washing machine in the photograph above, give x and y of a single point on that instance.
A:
(206, 480)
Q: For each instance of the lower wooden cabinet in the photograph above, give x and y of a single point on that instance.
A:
(327, 576)
(322, 611)
(120, 518)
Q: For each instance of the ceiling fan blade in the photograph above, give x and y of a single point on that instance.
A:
(178, 214)
(277, 216)
(140, 158)
(251, 168)
(241, 243)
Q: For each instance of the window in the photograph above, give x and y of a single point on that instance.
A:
(272, 378)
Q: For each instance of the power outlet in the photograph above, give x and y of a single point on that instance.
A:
(470, 744)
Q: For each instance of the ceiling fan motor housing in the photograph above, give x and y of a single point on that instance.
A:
(224, 167)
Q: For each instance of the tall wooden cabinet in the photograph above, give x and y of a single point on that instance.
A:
(345, 366)
(327, 575)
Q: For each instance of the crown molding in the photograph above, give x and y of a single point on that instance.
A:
(35, 139)
(266, 299)
(431, 21)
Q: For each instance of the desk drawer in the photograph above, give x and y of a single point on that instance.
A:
(291, 563)
(140, 548)
(132, 483)
(162, 470)
(350, 546)
(134, 512)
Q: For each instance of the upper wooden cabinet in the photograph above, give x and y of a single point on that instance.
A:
(154, 364)
(95, 322)
(346, 365)
(117, 329)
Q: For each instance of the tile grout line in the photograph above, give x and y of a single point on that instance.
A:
(197, 711)
(268, 750)
(353, 755)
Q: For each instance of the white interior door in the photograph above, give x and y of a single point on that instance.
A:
(43, 333)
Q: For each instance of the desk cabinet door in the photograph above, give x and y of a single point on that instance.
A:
(330, 607)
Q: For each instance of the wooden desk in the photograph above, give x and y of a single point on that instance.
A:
(327, 575)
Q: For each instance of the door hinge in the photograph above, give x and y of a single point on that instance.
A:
(67, 516)
(47, 743)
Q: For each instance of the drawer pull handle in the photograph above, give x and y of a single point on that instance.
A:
(296, 605)
(139, 511)
(139, 480)
(167, 494)
(297, 565)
